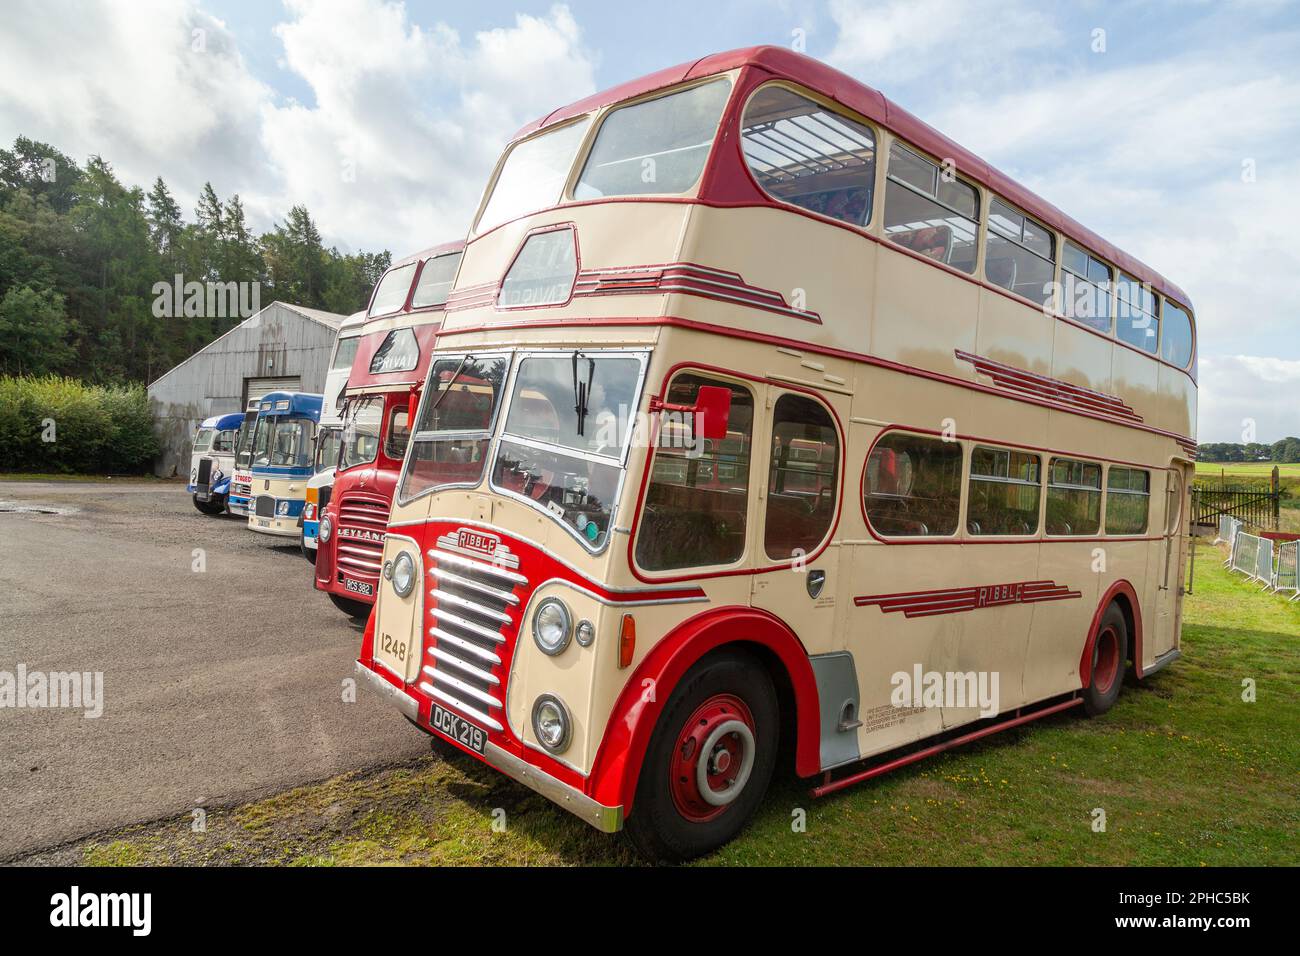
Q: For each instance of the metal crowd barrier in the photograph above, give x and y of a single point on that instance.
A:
(1245, 554)
(1228, 528)
(1287, 575)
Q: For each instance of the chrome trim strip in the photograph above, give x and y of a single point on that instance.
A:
(404, 702)
(1168, 657)
(476, 629)
(468, 668)
(440, 596)
(483, 567)
(464, 708)
(441, 676)
(603, 818)
(460, 643)
(469, 584)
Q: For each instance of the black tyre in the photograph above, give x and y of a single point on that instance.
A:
(1109, 652)
(351, 608)
(213, 506)
(308, 553)
(709, 761)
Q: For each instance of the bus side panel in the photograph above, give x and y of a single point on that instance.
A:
(1060, 624)
(997, 636)
(888, 646)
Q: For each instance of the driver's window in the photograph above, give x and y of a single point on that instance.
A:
(695, 507)
(225, 443)
(913, 486)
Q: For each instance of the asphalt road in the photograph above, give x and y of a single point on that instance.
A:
(219, 685)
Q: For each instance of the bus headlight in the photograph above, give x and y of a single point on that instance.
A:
(552, 626)
(282, 508)
(326, 528)
(551, 723)
(404, 574)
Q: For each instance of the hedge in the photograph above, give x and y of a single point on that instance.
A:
(96, 429)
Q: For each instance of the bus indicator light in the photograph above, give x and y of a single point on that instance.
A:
(626, 641)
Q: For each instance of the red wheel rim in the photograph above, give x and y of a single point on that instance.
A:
(1105, 659)
(723, 725)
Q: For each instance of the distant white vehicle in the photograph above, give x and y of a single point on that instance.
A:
(331, 428)
(213, 461)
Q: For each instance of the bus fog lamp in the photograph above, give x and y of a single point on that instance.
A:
(551, 723)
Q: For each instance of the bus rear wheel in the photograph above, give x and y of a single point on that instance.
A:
(213, 506)
(709, 761)
(1109, 651)
(351, 608)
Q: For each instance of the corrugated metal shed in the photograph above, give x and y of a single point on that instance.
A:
(282, 340)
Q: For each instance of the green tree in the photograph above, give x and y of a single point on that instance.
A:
(34, 333)
(296, 260)
(40, 170)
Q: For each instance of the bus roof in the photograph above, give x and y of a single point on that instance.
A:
(223, 422)
(456, 245)
(303, 404)
(782, 63)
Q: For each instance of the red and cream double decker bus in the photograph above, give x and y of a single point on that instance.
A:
(762, 412)
(388, 369)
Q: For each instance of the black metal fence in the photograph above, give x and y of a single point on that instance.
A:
(1258, 507)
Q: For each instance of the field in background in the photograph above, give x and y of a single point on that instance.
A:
(1246, 469)
(1186, 772)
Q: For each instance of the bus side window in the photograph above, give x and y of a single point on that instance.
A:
(929, 211)
(1128, 496)
(698, 494)
(224, 443)
(1005, 488)
(1073, 497)
(912, 487)
(801, 485)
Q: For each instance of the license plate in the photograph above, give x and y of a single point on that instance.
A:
(458, 729)
(359, 587)
(263, 523)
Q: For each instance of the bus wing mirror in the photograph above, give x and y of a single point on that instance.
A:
(712, 412)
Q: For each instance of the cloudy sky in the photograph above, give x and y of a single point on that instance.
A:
(1172, 127)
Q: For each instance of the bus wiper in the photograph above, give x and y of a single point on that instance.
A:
(450, 382)
(582, 390)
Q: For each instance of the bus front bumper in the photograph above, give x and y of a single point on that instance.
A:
(603, 818)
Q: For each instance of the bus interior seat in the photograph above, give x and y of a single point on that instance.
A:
(934, 242)
(1002, 272)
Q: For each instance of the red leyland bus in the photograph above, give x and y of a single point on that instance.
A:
(879, 411)
(388, 369)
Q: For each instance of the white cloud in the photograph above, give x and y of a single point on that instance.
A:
(408, 121)
(404, 124)
(1241, 391)
(154, 86)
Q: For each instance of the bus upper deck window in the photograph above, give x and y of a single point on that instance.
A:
(1137, 314)
(804, 154)
(390, 294)
(533, 174)
(435, 281)
(1085, 287)
(1019, 254)
(656, 146)
(694, 513)
(929, 211)
(1176, 347)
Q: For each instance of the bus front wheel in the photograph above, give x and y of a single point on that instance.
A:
(1109, 651)
(213, 506)
(709, 761)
